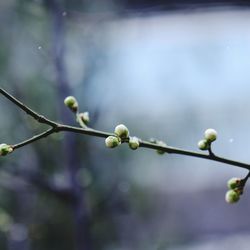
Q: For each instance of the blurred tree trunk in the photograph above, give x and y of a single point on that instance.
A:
(69, 158)
(18, 234)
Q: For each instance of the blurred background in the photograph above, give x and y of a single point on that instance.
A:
(166, 69)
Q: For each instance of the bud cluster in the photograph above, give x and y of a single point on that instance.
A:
(121, 134)
(81, 118)
(210, 135)
(235, 190)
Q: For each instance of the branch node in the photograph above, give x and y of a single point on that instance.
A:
(41, 119)
(211, 153)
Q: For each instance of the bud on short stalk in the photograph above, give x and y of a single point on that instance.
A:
(112, 141)
(233, 183)
(134, 143)
(210, 135)
(203, 144)
(232, 196)
(71, 103)
(122, 131)
(5, 149)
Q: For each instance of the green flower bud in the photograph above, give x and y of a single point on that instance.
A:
(232, 196)
(112, 141)
(163, 144)
(203, 144)
(84, 117)
(122, 131)
(71, 103)
(152, 140)
(239, 190)
(210, 135)
(5, 149)
(134, 143)
(233, 183)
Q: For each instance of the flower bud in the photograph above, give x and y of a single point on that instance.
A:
(239, 190)
(163, 144)
(71, 103)
(134, 143)
(203, 144)
(122, 131)
(112, 141)
(232, 196)
(233, 183)
(84, 117)
(152, 140)
(5, 149)
(210, 135)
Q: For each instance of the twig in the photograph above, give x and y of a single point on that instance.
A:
(243, 181)
(57, 127)
(36, 116)
(35, 138)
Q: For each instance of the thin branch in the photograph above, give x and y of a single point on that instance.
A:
(243, 181)
(85, 131)
(36, 116)
(35, 138)
(174, 150)
(210, 151)
(57, 127)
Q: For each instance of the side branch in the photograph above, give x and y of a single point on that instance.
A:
(34, 138)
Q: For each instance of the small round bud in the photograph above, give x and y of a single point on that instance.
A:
(210, 135)
(134, 143)
(5, 149)
(232, 196)
(203, 145)
(71, 103)
(239, 190)
(163, 144)
(112, 141)
(84, 117)
(122, 131)
(233, 183)
(152, 140)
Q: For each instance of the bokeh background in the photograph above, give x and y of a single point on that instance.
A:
(166, 69)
